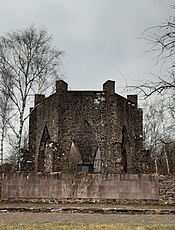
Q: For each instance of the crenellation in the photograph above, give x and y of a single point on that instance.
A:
(109, 87)
(133, 99)
(39, 98)
(61, 86)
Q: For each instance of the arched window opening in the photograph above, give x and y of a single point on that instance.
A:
(123, 150)
(87, 146)
(97, 161)
(74, 158)
(45, 140)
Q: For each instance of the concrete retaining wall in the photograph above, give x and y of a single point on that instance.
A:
(79, 186)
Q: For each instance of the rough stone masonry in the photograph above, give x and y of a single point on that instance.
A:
(86, 131)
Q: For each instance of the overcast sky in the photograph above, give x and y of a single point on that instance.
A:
(98, 36)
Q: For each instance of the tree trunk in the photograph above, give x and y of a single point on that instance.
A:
(2, 143)
(156, 167)
(166, 160)
(2, 147)
(20, 139)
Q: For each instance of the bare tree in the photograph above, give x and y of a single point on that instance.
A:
(32, 65)
(157, 132)
(160, 116)
(5, 109)
(161, 42)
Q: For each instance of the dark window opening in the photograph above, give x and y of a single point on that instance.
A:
(86, 168)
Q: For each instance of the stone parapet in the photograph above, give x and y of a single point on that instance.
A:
(79, 186)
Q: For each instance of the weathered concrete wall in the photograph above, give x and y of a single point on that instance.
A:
(79, 186)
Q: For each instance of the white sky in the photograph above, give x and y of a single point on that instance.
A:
(98, 36)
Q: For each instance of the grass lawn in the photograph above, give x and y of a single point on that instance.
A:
(83, 226)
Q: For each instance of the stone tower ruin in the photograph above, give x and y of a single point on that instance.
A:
(86, 131)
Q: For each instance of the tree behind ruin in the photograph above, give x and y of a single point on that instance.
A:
(160, 39)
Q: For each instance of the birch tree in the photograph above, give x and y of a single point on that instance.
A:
(32, 64)
(6, 108)
(157, 132)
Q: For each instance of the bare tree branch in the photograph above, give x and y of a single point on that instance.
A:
(29, 60)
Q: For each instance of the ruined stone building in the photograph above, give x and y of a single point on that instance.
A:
(86, 131)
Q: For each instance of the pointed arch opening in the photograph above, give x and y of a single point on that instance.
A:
(87, 146)
(97, 161)
(74, 158)
(124, 150)
(45, 140)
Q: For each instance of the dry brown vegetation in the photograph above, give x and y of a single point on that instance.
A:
(82, 226)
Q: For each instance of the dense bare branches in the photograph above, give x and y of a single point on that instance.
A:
(158, 134)
(161, 42)
(29, 61)
(161, 39)
(6, 109)
(159, 117)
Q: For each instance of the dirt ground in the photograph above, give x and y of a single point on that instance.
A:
(17, 217)
(7, 204)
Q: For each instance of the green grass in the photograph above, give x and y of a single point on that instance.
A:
(82, 226)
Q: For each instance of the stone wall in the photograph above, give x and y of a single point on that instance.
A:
(167, 189)
(79, 186)
(95, 121)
